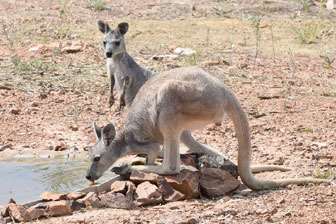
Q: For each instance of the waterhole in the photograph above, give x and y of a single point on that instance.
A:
(25, 177)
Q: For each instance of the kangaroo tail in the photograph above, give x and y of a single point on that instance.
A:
(239, 118)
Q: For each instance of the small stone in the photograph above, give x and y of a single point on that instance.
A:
(7, 146)
(76, 195)
(186, 182)
(188, 160)
(130, 189)
(168, 192)
(139, 177)
(19, 213)
(36, 213)
(117, 200)
(74, 127)
(58, 208)
(147, 194)
(52, 196)
(218, 162)
(15, 111)
(60, 147)
(34, 104)
(71, 49)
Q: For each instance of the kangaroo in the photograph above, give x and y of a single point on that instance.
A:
(121, 65)
(165, 108)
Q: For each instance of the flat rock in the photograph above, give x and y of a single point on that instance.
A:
(59, 208)
(139, 177)
(168, 192)
(71, 49)
(117, 200)
(36, 213)
(218, 162)
(147, 194)
(186, 182)
(216, 182)
(19, 213)
(75, 195)
(76, 206)
(52, 196)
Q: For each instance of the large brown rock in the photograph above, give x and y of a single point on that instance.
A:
(139, 177)
(216, 182)
(147, 194)
(119, 187)
(59, 208)
(117, 200)
(36, 213)
(52, 196)
(19, 213)
(186, 181)
(168, 192)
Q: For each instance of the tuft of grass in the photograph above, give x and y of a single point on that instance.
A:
(97, 5)
(333, 95)
(327, 61)
(324, 175)
(305, 4)
(190, 60)
(299, 128)
(34, 66)
(308, 33)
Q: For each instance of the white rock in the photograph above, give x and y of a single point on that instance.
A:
(184, 51)
(330, 4)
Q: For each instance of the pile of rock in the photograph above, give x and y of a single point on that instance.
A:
(200, 176)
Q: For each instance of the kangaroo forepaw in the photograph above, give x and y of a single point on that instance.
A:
(111, 100)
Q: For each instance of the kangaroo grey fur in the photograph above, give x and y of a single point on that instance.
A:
(165, 108)
(121, 65)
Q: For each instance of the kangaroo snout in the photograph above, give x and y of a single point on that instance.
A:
(109, 54)
(88, 177)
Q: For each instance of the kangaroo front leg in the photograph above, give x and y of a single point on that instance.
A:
(124, 87)
(112, 81)
(171, 159)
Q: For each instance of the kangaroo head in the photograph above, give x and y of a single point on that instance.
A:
(113, 41)
(103, 154)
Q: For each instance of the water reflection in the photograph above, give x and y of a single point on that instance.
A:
(24, 178)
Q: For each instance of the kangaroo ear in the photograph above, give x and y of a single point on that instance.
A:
(123, 28)
(97, 130)
(103, 27)
(108, 134)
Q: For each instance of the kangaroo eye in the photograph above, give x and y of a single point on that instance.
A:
(117, 42)
(96, 159)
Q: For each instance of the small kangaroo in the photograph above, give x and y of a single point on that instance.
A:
(120, 65)
(163, 112)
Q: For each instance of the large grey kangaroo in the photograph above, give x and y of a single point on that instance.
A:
(130, 76)
(165, 107)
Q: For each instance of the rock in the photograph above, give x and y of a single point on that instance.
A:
(2, 210)
(19, 213)
(188, 160)
(15, 111)
(91, 200)
(5, 220)
(76, 195)
(60, 147)
(216, 182)
(117, 200)
(139, 177)
(147, 194)
(71, 49)
(119, 187)
(52, 196)
(218, 162)
(36, 213)
(184, 51)
(34, 104)
(7, 146)
(168, 192)
(58, 208)
(76, 206)
(74, 127)
(330, 4)
(186, 182)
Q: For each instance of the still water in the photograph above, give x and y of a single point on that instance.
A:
(25, 177)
